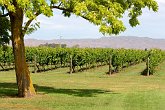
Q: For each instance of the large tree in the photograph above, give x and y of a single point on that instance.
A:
(105, 13)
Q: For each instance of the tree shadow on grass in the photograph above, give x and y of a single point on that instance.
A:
(73, 92)
(10, 90)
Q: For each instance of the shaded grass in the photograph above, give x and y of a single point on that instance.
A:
(89, 90)
(9, 89)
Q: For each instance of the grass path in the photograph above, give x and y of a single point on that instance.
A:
(89, 90)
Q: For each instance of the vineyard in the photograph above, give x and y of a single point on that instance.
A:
(79, 59)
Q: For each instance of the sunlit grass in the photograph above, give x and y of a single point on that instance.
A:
(88, 90)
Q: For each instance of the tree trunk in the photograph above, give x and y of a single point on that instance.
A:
(24, 82)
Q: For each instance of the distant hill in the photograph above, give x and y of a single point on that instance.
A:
(105, 42)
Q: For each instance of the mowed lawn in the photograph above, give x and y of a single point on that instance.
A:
(88, 90)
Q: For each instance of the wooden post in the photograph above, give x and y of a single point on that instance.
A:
(71, 66)
(86, 68)
(110, 65)
(2, 67)
(148, 66)
(35, 64)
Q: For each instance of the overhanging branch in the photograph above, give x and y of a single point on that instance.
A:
(61, 8)
(65, 9)
(28, 24)
(4, 15)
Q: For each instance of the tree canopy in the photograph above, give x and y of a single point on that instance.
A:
(105, 13)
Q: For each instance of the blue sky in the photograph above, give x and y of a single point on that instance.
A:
(152, 25)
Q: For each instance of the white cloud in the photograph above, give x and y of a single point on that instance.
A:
(50, 23)
(161, 1)
(59, 22)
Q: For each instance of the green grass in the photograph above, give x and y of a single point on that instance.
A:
(88, 90)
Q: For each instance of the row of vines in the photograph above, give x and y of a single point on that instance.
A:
(79, 59)
(82, 59)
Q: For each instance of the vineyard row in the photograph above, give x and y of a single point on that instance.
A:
(79, 59)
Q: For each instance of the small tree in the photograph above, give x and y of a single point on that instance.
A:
(105, 13)
(4, 33)
(4, 30)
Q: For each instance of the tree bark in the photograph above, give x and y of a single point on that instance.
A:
(24, 82)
